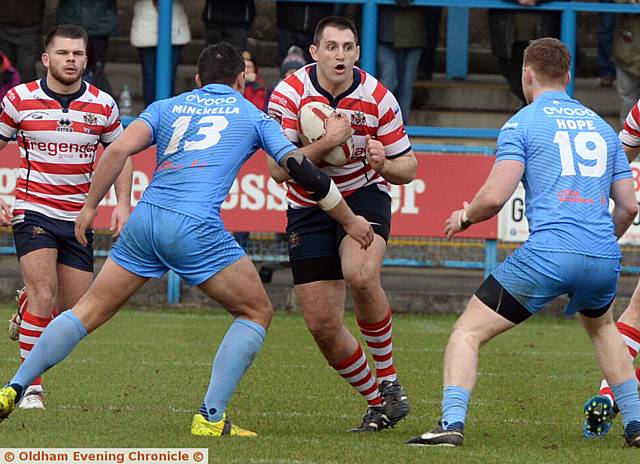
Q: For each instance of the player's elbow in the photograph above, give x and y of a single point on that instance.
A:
(630, 209)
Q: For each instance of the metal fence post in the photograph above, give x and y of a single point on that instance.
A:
(457, 42)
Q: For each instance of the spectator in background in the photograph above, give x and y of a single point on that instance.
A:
(21, 35)
(9, 76)
(511, 31)
(402, 32)
(296, 23)
(100, 19)
(144, 36)
(254, 88)
(626, 56)
(428, 58)
(291, 63)
(606, 29)
(228, 20)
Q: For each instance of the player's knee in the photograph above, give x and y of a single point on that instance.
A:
(323, 327)
(42, 301)
(361, 279)
(469, 333)
(259, 311)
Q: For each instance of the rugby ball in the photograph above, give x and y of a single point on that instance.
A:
(312, 124)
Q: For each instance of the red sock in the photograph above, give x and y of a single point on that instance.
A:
(631, 338)
(355, 370)
(30, 330)
(378, 338)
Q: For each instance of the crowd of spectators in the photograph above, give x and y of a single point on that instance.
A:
(408, 36)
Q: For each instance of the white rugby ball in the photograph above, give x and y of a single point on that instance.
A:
(312, 120)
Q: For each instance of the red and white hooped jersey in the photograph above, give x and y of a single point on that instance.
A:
(58, 136)
(373, 111)
(630, 133)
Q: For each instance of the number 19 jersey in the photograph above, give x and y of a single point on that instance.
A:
(203, 137)
(571, 159)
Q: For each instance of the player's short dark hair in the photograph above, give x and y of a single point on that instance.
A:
(338, 22)
(220, 63)
(68, 31)
(549, 58)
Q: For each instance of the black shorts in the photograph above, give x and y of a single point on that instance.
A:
(314, 237)
(38, 231)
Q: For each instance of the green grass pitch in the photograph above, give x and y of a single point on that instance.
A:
(138, 381)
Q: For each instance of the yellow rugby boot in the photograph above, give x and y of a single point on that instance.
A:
(7, 401)
(203, 428)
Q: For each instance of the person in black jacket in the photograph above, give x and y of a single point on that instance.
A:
(511, 31)
(296, 23)
(229, 21)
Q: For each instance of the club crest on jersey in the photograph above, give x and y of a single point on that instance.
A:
(90, 119)
(64, 125)
(358, 118)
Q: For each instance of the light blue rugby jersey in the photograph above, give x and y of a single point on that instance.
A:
(203, 137)
(571, 158)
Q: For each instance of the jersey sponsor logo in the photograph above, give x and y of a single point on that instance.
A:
(36, 115)
(564, 111)
(279, 100)
(63, 149)
(208, 101)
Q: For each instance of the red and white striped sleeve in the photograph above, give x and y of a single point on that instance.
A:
(391, 131)
(113, 127)
(9, 116)
(630, 133)
(284, 106)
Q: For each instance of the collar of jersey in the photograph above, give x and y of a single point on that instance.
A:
(64, 100)
(555, 94)
(217, 88)
(313, 75)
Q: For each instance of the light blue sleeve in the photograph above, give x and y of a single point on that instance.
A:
(272, 140)
(151, 117)
(512, 140)
(621, 168)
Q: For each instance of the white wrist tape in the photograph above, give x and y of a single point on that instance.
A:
(331, 199)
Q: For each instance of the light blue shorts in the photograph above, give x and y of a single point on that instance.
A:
(155, 240)
(535, 278)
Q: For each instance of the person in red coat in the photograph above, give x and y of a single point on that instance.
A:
(254, 89)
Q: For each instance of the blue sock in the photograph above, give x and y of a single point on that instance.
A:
(455, 401)
(626, 395)
(56, 342)
(235, 354)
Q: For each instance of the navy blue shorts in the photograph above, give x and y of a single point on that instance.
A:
(314, 237)
(38, 231)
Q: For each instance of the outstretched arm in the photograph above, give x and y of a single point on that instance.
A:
(324, 191)
(135, 138)
(497, 189)
(122, 186)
